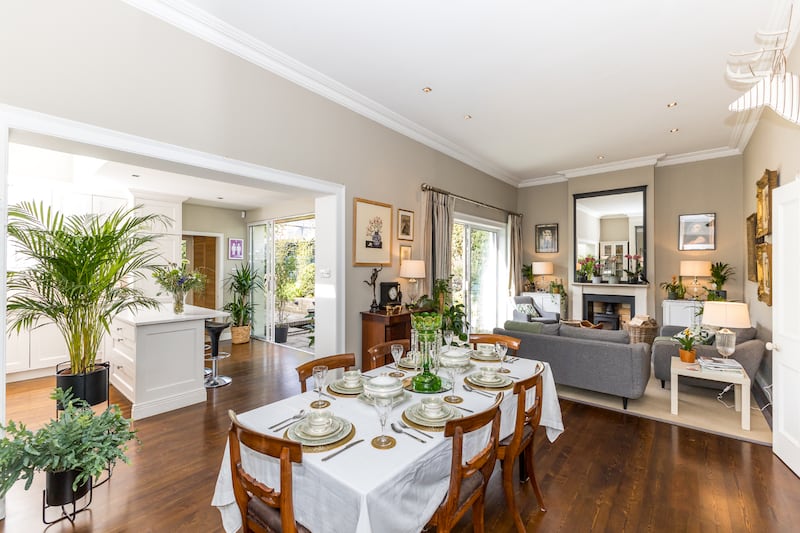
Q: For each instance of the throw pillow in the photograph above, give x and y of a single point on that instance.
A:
(526, 327)
(701, 335)
(528, 309)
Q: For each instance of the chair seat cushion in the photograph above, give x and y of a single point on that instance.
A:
(267, 517)
(527, 432)
(469, 486)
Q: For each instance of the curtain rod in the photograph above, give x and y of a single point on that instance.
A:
(426, 187)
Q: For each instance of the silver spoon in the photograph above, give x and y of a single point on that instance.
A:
(295, 417)
(406, 426)
(398, 429)
(470, 389)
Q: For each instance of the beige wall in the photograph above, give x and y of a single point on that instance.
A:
(546, 204)
(614, 229)
(110, 65)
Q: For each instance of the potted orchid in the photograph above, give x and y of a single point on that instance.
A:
(634, 270)
(586, 268)
(178, 280)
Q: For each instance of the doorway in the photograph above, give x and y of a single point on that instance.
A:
(201, 252)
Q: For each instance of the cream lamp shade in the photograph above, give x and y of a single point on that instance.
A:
(726, 315)
(696, 269)
(412, 269)
(542, 268)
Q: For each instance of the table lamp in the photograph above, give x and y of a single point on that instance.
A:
(695, 269)
(726, 315)
(542, 268)
(413, 270)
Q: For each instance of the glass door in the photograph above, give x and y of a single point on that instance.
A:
(261, 260)
(475, 267)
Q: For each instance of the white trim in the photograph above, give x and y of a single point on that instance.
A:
(211, 29)
(702, 155)
(545, 180)
(637, 162)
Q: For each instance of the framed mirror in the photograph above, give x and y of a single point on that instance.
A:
(608, 226)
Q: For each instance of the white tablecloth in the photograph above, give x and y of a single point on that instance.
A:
(365, 489)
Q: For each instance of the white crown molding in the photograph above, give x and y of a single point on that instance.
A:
(645, 161)
(199, 23)
(544, 180)
(702, 155)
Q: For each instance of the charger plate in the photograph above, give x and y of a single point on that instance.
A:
(490, 357)
(343, 436)
(338, 388)
(413, 421)
(507, 383)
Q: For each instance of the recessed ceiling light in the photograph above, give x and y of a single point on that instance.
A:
(467, 117)
(674, 130)
(672, 104)
(220, 198)
(426, 89)
(601, 157)
(134, 175)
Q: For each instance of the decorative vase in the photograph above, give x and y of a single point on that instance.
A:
(597, 279)
(178, 302)
(687, 356)
(613, 280)
(425, 328)
(672, 295)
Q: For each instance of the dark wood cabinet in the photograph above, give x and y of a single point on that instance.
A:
(378, 327)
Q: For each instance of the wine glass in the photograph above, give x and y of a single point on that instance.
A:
(397, 354)
(448, 338)
(450, 372)
(501, 348)
(319, 372)
(383, 406)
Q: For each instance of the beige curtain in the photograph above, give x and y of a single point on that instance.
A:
(438, 211)
(514, 254)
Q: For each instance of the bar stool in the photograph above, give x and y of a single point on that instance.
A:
(214, 330)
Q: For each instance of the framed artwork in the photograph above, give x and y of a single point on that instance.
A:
(372, 233)
(390, 294)
(405, 252)
(235, 248)
(752, 264)
(546, 238)
(764, 188)
(405, 225)
(697, 232)
(764, 260)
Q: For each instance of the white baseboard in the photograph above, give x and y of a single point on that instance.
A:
(162, 405)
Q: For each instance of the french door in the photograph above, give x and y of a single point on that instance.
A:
(262, 261)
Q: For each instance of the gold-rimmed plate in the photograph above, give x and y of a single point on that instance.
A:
(410, 417)
(339, 387)
(503, 383)
(305, 439)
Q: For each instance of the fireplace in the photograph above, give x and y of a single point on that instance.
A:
(606, 309)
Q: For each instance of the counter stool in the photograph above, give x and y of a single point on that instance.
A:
(214, 330)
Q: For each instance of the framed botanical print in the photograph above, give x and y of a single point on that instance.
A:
(546, 238)
(697, 232)
(372, 233)
(405, 252)
(405, 225)
(764, 258)
(764, 188)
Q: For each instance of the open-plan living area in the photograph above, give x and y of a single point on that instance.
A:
(429, 266)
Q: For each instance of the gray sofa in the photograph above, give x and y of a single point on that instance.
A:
(545, 317)
(749, 352)
(591, 359)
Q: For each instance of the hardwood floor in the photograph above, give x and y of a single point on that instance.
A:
(607, 472)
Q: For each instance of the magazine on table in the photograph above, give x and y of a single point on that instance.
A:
(719, 363)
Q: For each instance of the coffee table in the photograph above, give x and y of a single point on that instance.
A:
(739, 379)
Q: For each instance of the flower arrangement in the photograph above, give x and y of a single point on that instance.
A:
(675, 286)
(586, 266)
(687, 339)
(177, 281)
(636, 270)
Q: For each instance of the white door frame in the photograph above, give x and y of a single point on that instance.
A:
(220, 259)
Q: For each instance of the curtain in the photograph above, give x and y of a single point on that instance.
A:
(438, 209)
(514, 254)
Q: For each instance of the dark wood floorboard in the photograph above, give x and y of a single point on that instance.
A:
(607, 472)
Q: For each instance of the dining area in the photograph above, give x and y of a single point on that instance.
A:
(378, 451)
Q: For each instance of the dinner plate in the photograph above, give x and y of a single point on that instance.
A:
(340, 387)
(476, 379)
(415, 414)
(396, 400)
(485, 356)
(344, 429)
(303, 429)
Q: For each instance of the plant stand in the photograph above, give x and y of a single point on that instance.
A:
(65, 515)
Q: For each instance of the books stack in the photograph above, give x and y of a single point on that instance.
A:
(719, 364)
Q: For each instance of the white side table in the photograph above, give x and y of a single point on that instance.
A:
(739, 379)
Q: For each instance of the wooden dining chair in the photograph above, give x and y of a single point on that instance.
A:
(520, 442)
(468, 479)
(490, 338)
(264, 509)
(381, 354)
(342, 360)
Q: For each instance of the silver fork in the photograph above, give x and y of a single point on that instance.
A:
(476, 391)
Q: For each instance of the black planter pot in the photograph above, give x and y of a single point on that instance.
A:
(59, 488)
(281, 334)
(91, 386)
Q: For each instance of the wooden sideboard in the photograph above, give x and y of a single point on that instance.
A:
(378, 327)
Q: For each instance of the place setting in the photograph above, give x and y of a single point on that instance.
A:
(489, 378)
(351, 384)
(429, 414)
(485, 353)
(320, 430)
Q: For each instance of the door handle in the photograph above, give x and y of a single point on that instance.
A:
(773, 347)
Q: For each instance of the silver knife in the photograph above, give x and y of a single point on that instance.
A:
(334, 454)
(462, 408)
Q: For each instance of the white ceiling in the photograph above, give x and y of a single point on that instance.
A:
(550, 86)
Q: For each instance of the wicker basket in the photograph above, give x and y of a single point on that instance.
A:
(645, 333)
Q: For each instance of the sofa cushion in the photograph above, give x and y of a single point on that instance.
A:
(550, 329)
(529, 310)
(744, 334)
(701, 335)
(528, 327)
(619, 336)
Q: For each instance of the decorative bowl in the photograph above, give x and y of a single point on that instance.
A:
(383, 387)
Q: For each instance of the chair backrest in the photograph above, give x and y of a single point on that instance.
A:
(533, 414)
(246, 486)
(483, 462)
(378, 353)
(342, 360)
(491, 338)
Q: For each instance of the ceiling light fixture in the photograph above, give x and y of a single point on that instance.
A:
(672, 104)
(601, 157)
(220, 198)
(467, 117)
(134, 175)
(674, 130)
(426, 89)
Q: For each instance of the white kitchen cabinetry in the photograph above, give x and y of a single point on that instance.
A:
(681, 312)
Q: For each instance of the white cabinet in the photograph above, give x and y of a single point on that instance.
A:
(681, 312)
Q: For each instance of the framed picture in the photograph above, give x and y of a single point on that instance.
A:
(405, 225)
(235, 248)
(546, 238)
(390, 294)
(764, 260)
(697, 232)
(372, 233)
(764, 188)
(750, 235)
(405, 252)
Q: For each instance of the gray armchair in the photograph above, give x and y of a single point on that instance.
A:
(749, 352)
(544, 317)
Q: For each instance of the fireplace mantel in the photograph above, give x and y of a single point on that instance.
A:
(639, 293)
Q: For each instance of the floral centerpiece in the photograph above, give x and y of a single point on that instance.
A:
(634, 270)
(586, 266)
(177, 281)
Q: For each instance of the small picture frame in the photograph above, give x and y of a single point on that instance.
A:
(546, 236)
(405, 225)
(390, 294)
(764, 188)
(236, 249)
(372, 233)
(405, 252)
(697, 232)
(764, 265)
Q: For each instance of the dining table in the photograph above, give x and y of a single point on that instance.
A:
(365, 489)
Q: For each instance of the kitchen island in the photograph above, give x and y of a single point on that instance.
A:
(157, 358)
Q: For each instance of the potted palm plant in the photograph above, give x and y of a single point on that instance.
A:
(72, 449)
(720, 273)
(77, 275)
(241, 282)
